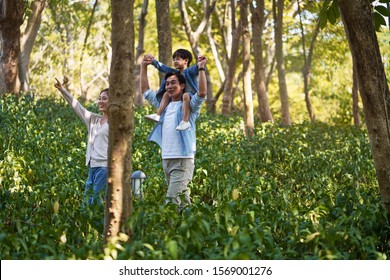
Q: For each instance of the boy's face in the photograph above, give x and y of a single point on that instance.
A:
(180, 63)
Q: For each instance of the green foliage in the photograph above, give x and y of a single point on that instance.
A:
(330, 12)
(304, 192)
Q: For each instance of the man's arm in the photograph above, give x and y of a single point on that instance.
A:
(202, 86)
(144, 73)
(149, 95)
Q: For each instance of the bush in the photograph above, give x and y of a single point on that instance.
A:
(303, 192)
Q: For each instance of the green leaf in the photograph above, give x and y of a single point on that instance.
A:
(323, 19)
(382, 10)
(326, 4)
(331, 16)
(379, 20)
(336, 10)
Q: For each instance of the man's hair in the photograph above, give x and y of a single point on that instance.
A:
(179, 76)
(184, 54)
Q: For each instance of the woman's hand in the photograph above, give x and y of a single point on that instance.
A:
(58, 85)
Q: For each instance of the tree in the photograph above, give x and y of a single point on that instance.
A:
(355, 96)
(258, 23)
(219, 33)
(164, 37)
(138, 97)
(358, 20)
(27, 41)
(121, 119)
(227, 99)
(74, 33)
(193, 36)
(246, 71)
(87, 33)
(307, 58)
(278, 6)
(11, 18)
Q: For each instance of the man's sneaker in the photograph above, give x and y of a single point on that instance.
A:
(183, 125)
(153, 117)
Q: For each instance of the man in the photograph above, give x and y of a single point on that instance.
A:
(178, 148)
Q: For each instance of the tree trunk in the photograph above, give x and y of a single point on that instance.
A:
(355, 91)
(307, 63)
(278, 6)
(164, 36)
(121, 120)
(373, 87)
(27, 41)
(210, 101)
(246, 69)
(87, 33)
(355, 96)
(11, 18)
(214, 50)
(138, 97)
(193, 36)
(227, 100)
(258, 22)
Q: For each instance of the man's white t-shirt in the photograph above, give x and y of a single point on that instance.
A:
(171, 142)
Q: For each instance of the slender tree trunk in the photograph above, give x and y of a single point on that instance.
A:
(373, 87)
(164, 36)
(11, 18)
(210, 101)
(227, 100)
(138, 97)
(27, 41)
(258, 22)
(193, 36)
(82, 82)
(214, 50)
(355, 96)
(246, 70)
(278, 6)
(355, 91)
(307, 64)
(121, 121)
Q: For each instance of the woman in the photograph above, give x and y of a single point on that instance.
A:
(96, 154)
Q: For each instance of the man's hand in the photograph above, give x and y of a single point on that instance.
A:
(201, 62)
(202, 88)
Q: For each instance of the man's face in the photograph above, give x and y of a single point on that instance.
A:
(174, 88)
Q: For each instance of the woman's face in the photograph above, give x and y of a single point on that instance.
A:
(103, 101)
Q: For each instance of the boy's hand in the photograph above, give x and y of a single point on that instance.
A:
(148, 59)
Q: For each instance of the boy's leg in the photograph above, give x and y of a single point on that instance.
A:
(184, 124)
(164, 103)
